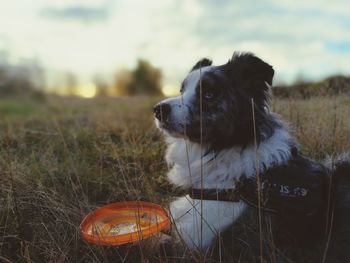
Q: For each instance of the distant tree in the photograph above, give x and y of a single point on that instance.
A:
(20, 81)
(330, 86)
(145, 79)
(102, 88)
(122, 82)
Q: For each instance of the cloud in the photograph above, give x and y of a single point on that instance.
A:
(341, 48)
(77, 12)
(297, 38)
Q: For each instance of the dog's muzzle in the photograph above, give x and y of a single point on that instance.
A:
(162, 111)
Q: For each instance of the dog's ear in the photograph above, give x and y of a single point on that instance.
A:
(252, 74)
(202, 63)
(246, 66)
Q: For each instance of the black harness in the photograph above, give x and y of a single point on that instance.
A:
(299, 187)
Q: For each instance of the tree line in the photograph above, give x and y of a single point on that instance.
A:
(144, 79)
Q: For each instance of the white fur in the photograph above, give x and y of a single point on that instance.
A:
(332, 160)
(219, 171)
(187, 168)
(217, 216)
(180, 105)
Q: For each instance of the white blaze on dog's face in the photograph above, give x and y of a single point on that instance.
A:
(179, 116)
(215, 102)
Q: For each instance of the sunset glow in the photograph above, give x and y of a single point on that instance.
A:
(169, 90)
(87, 91)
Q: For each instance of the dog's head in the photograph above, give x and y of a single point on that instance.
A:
(215, 105)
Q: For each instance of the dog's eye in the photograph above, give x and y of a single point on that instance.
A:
(182, 89)
(208, 95)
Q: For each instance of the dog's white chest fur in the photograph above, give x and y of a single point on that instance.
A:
(191, 166)
(222, 170)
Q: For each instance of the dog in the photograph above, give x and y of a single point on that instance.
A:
(221, 132)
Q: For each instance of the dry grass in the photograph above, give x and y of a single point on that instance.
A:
(61, 159)
(321, 125)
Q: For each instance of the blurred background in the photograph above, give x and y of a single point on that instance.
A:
(93, 48)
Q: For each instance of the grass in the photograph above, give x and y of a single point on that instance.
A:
(321, 125)
(64, 157)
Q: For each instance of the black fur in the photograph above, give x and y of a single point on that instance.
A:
(202, 63)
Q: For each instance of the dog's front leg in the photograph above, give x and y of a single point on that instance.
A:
(199, 222)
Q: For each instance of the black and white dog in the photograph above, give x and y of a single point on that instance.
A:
(219, 132)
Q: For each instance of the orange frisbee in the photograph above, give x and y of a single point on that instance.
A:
(124, 222)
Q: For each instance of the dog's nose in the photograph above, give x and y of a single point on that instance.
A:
(162, 111)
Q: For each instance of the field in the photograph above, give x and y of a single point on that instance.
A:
(63, 157)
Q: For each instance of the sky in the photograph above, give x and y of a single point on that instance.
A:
(302, 39)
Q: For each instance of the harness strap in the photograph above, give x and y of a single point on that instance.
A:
(299, 188)
(230, 195)
(246, 191)
(227, 195)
